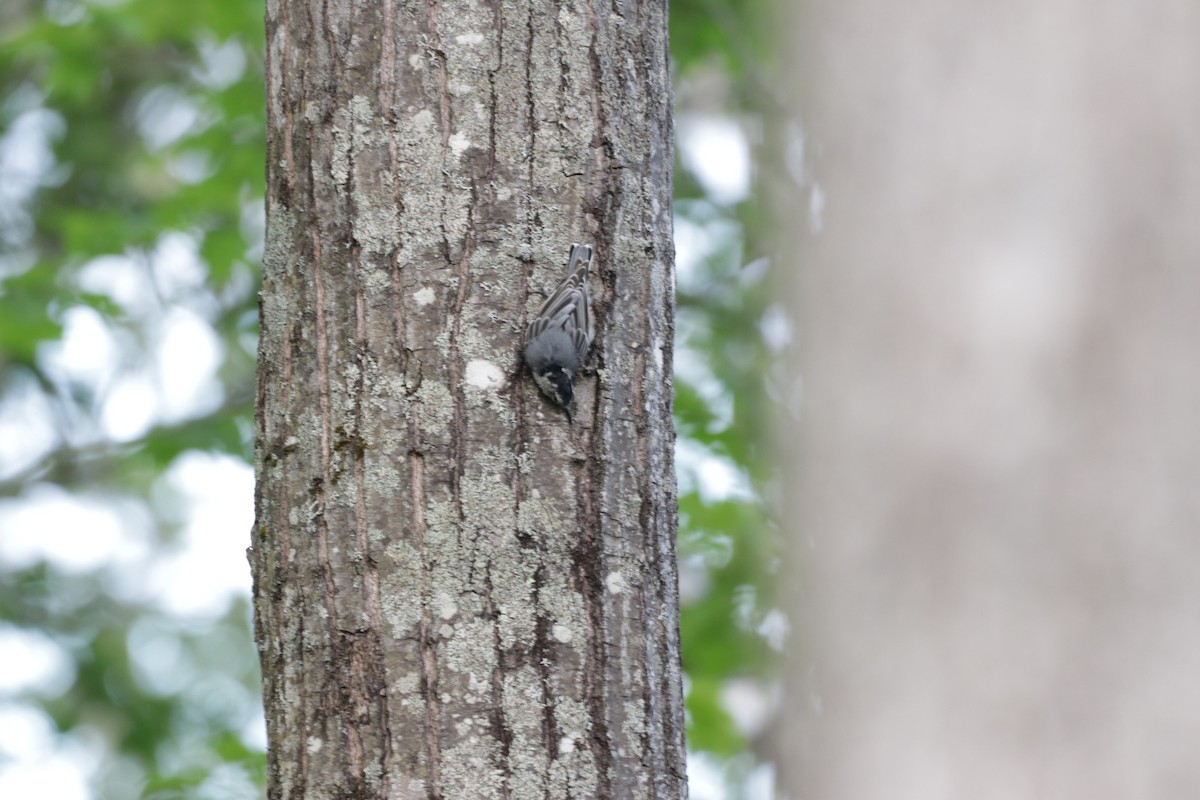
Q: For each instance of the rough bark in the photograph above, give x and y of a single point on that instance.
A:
(457, 594)
(1000, 454)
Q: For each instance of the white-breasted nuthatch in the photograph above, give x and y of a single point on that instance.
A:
(557, 340)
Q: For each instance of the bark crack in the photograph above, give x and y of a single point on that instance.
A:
(500, 730)
(376, 675)
(443, 77)
(387, 58)
(590, 567)
(541, 659)
(429, 673)
(302, 739)
(316, 511)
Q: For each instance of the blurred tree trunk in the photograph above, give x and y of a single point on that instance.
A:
(1001, 460)
(457, 594)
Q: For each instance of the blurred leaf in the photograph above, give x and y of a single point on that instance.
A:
(142, 142)
(720, 53)
(733, 31)
(711, 728)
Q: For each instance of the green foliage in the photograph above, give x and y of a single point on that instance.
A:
(25, 319)
(140, 94)
(730, 32)
(150, 118)
(728, 545)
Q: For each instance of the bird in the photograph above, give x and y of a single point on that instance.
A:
(558, 338)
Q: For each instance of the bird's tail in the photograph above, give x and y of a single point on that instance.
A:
(581, 256)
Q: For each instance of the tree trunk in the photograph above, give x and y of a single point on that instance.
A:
(1001, 455)
(457, 593)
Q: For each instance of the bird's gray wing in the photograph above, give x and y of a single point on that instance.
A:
(567, 307)
(555, 312)
(580, 257)
(582, 342)
(583, 332)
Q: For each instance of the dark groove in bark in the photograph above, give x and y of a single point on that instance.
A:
(429, 679)
(496, 719)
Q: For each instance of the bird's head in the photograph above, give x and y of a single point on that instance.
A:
(555, 383)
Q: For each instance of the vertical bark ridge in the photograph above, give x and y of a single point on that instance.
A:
(428, 655)
(316, 509)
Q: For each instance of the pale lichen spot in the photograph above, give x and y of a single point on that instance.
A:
(383, 478)
(446, 607)
(416, 61)
(459, 143)
(484, 375)
(572, 716)
(375, 227)
(402, 583)
(471, 654)
(635, 722)
(562, 633)
(423, 118)
(437, 406)
(315, 744)
(424, 296)
(615, 582)
(406, 683)
(469, 38)
(566, 744)
(362, 109)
